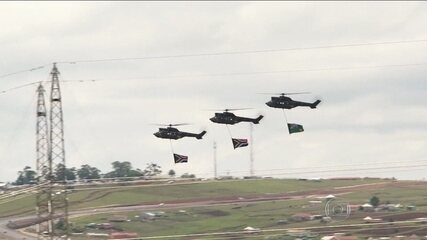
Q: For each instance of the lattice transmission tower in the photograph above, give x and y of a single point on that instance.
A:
(52, 199)
(43, 167)
(57, 157)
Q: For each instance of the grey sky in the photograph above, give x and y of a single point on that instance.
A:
(368, 115)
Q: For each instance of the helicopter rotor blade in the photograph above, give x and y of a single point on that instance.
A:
(236, 109)
(285, 93)
(228, 109)
(180, 124)
(296, 93)
(170, 125)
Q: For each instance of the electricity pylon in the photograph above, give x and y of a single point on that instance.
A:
(57, 158)
(52, 200)
(44, 168)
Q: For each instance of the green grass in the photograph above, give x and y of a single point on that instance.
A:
(206, 219)
(264, 215)
(416, 195)
(156, 194)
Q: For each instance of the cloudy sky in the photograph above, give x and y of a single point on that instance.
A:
(373, 113)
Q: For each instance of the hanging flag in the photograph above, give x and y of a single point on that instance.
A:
(295, 128)
(239, 142)
(180, 158)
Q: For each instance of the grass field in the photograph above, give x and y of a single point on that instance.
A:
(126, 195)
(233, 217)
(266, 215)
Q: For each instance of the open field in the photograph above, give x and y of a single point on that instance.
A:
(127, 194)
(230, 206)
(276, 214)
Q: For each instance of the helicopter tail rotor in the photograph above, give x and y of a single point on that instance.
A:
(256, 120)
(200, 135)
(314, 105)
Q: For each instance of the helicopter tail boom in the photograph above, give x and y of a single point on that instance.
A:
(314, 105)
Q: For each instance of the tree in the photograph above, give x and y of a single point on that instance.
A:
(62, 173)
(152, 169)
(187, 175)
(26, 176)
(88, 172)
(374, 201)
(171, 173)
(123, 169)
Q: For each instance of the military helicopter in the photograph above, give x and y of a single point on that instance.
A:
(227, 117)
(173, 133)
(287, 103)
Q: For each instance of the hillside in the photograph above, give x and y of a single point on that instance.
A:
(194, 207)
(128, 193)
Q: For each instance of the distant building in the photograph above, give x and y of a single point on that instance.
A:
(3, 187)
(329, 197)
(339, 236)
(147, 216)
(346, 178)
(153, 215)
(372, 220)
(410, 207)
(251, 229)
(251, 177)
(225, 178)
(391, 207)
(367, 207)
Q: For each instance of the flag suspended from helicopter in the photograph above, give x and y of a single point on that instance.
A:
(238, 143)
(295, 128)
(180, 158)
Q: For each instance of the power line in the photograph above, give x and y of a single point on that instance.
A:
(22, 71)
(329, 167)
(251, 73)
(219, 54)
(221, 74)
(243, 52)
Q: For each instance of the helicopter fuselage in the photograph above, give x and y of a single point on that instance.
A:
(175, 134)
(231, 119)
(288, 103)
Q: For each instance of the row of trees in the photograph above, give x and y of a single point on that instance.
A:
(120, 169)
(86, 172)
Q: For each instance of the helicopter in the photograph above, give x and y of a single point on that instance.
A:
(227, 117)
(173, 133)
(287, 103)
